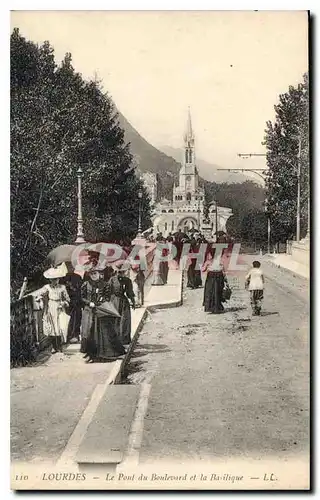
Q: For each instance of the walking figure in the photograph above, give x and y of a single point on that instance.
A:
(255, 284)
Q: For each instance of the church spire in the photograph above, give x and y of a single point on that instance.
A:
(189, 125)
(188, 136)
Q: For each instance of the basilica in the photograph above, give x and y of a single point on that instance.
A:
(185, 210)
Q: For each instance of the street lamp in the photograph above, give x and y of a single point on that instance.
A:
(199, 216)
(140, 194)
(80, 233)
(216, 218)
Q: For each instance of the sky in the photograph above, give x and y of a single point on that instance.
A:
(228, 66)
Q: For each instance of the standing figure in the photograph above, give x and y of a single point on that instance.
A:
(138, 280)
(255, 283)
(213, 291)
(55, 300)
(99, 339)
(120, 293)
(73, 285)
(194, 275)
(160, 272)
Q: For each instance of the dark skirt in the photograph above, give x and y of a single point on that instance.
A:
(122, 324)
(100, 341)
(212, 299)
(75, 322)
(160, 275)
(194, 277)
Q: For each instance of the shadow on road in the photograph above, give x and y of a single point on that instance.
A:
(268, 313)
(235, 309)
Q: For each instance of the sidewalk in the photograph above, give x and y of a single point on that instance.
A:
(48, 400)
(285, 261)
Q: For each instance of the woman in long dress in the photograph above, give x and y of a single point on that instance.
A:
(160, 272)
(193, 274)
(55, 300)
(99, 339)
(213, 289)
(121, 292)
(73, 285)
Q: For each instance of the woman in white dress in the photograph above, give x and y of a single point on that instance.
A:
(55, 300)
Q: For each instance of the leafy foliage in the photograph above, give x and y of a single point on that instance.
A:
(59, 122)
(244, 199)
(282, 138)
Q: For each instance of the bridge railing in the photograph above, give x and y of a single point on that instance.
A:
(23, 331)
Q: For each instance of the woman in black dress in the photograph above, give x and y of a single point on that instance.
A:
(122, 296)
(99, 339)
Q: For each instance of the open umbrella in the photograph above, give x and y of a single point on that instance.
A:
(90, 252)
(63, 253)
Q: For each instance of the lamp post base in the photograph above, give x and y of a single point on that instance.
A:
(79, 240)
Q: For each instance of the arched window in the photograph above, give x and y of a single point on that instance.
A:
(188, 197)
(165, 226)
(164, 211)
(172, 225)
(170, 211)
(187, 155)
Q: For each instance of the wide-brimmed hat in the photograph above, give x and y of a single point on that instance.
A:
(54, 273)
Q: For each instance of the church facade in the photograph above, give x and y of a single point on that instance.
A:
(185, 210)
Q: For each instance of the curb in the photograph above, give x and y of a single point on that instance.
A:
(286, 269)
(70, 450)
(151, 308)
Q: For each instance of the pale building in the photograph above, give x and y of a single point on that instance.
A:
(185, 210)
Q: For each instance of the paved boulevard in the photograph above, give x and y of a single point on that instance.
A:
(227, 385)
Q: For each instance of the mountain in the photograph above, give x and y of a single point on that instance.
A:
(167, 162)
(210, 171)
(229, 189)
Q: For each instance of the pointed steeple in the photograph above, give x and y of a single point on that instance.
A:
(188, 136)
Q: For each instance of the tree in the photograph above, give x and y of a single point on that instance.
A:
(242, 198)
(282, 138)
(60, 122)
(254, 227)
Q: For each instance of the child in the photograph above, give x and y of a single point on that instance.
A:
(255, 284)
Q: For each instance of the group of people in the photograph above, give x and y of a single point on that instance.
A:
(98, 304)
(217, 290)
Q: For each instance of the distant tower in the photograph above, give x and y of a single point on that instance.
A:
(189, 156)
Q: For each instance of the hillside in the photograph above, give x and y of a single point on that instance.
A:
(150, 159)
(237, 191)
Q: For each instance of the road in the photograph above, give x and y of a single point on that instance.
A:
(226, 385)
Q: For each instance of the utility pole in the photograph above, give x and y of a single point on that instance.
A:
(257, 172)
(299, 191)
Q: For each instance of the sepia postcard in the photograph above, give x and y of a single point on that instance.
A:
(160, 241)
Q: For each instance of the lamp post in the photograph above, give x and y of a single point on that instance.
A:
(80, 233)
(140, 194)
(199, 212)
(216, 219)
